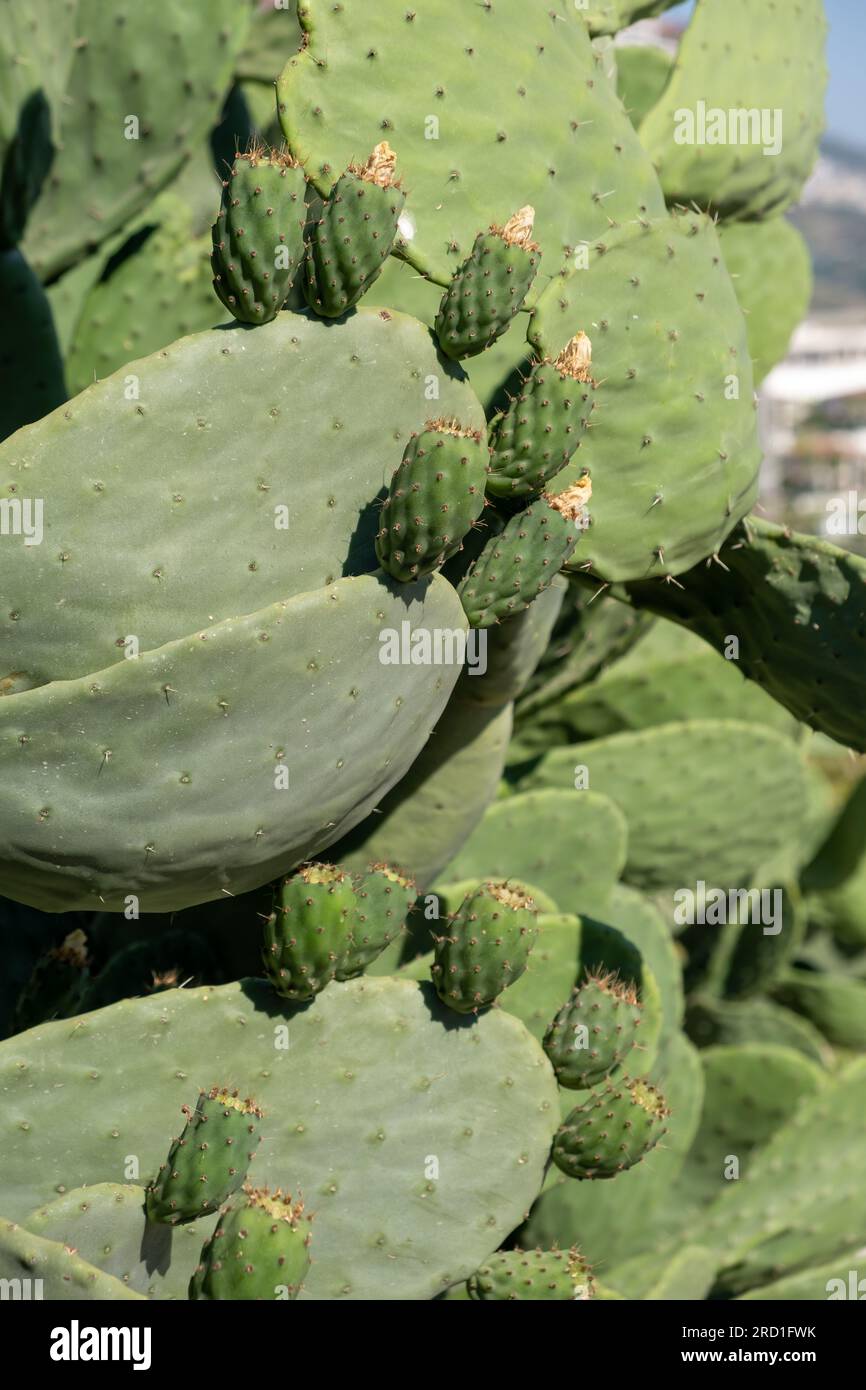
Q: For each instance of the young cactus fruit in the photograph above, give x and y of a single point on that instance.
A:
(259, 1250)
(540, 432)
(258, 237)
(57, 985)
(489, 288)
(383, 898)
(307, 934)
(436, 496)
(594, 1032)
(351, 242)
(614, 1128)
(487, 949)
(210, 1159)
(518, 565)
(547, 1275)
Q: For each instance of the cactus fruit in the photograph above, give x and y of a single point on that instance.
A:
(540, 431)
(614, 1128)
(259, 1250)
(353, 238)
(594, 1032)
(258, 237)
(487, 947)
(55, 988)
(307, 936)
(553, 1275)
(210, 1159)
(383, 897)
(489, 288)
(436, 496)
(518, 565)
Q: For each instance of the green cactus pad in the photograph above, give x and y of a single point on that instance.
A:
(141, 86)
(31, 368)
(547, 1275)
(485, 948)
(55, 1271)
(307, 934)
(741, 165)
(771, 267)
(673, 451)
(796, 605)
(498, 118)
(56, 986)
(733, 1022)
(435, 497)
(518, 565)
(489, 287)
(680, 832)
(383, 898)
(642, 72)
(552, 970)
(571, 846)
(209, 1160)
(258, 237)
(833, 1003)
(361, 1087)
(614, 1128)
(543, 426)
(259, 1250)
(609, 16)
(351, 241)
(594, 1032)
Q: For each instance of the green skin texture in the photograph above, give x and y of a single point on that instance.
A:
(686, 1274)
(485, 293)
(415, 956)
(755, 960)
(642, 73)
(573, 846)
(673, 453)
(261, 220)
(183, 63)
(771, 267)
(781, 66)
(162, 292)
(381, 906)
(206, 1163)
(607, 1133)
(64, 1275)
(376, 1075)
(252, 1255)
(796, 604)
(673, 841)
(834, 1004)
(539, 433)
(307, 935)
(273, 32)
(518, 565)
(31, 368)
(485, 948)
(612, 1031)
(350, 243)
(530, 71)
(435, 497)
(531, 1275)
(725, 1023)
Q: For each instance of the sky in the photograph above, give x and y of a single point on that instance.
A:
(846, 109)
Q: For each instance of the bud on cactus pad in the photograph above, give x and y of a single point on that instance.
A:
(548, 1275)
(614, 1128)
(518, 565)
(540, 432)
(210, 1159)
(56, 986)
(307, 934)
(436, 496)
(487, 948)
(383, 898)
(259, 1250)
(594, 1032)
(489, 288)
(351, 242)
(258, 237)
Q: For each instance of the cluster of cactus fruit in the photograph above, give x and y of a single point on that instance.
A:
(487, 384)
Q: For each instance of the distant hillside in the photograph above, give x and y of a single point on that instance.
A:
(832, 218)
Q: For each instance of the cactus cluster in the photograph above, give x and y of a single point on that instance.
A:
(375, 485)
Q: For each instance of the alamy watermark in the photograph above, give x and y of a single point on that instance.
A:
(22, 516)
(438, 646)
(712, 125)
(716, 907)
